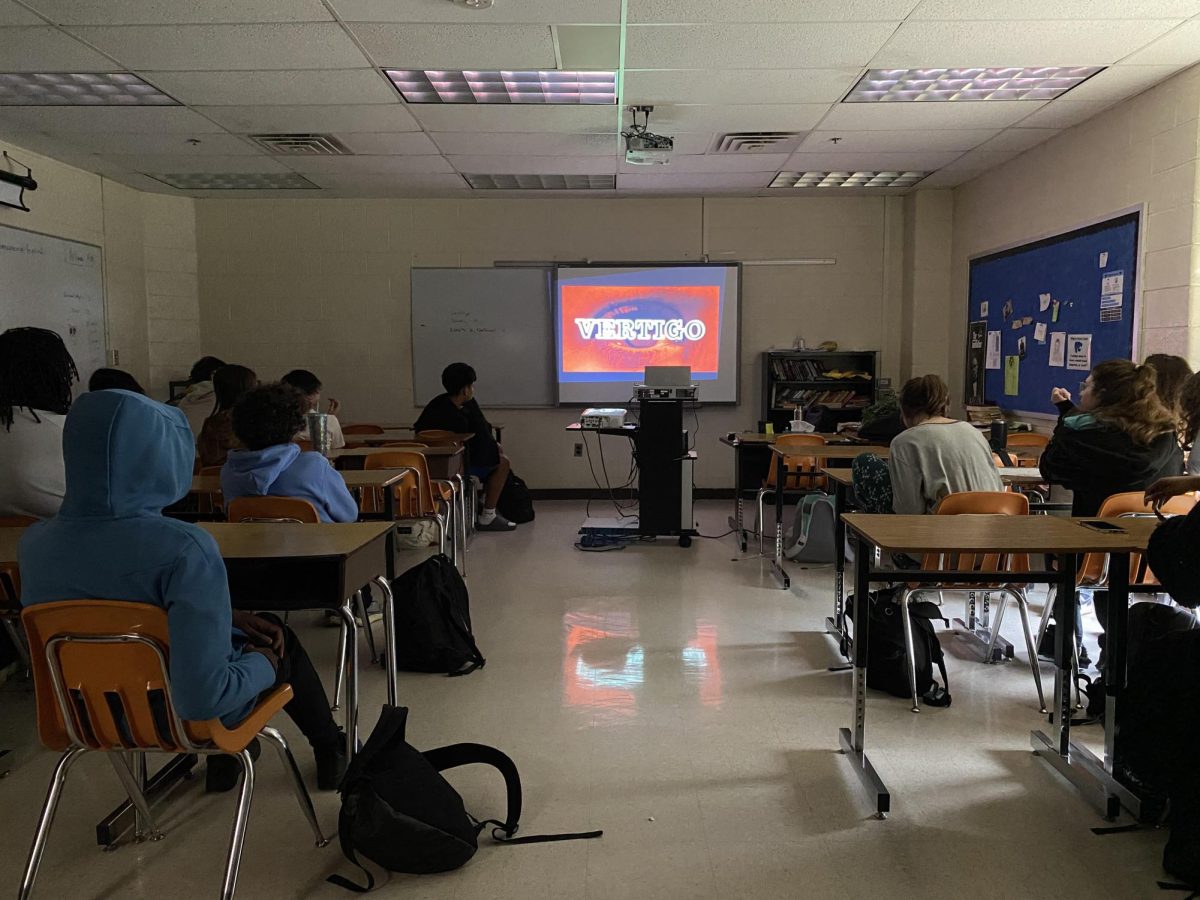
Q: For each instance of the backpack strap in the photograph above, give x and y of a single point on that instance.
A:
(348, 851)
(464, 632)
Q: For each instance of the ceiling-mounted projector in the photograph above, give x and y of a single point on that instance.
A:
(643, 148)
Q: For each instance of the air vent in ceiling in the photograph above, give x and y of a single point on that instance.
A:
(301, 144)
(757, 142)
(542, 182)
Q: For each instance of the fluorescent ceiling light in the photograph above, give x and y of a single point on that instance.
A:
(1044, 83)
(550, 86)
(83, 89)
(846, 179)
(542, 182)
(251, 181)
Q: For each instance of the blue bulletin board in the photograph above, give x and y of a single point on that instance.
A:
(1089, 276)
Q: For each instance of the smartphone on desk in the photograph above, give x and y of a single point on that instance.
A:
(1101, 525)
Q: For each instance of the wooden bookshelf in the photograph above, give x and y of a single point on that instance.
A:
(802, 378)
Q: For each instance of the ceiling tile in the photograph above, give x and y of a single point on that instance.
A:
(838, 161)
(164, 164)
(458, 46)
(1075, 10)
(721, 11)
(936, 116)
(739, 85)
(1064, 113)
(331, 86)
(369, 165)
(716, 163)
(535, 165)
(1019, 139)
(12, 14)
(822, 45)
(1119, 82)
(374, 117)
(47, 49)
(138, 120)
(947, 178)
(1025, 43)
(493, 118)
(1179, 48)
(531, 12)
(388, 144)
(519, 144)
(173, 12)
(980, 160)
(746, 117)
(693, 142)
(697, 184)
(227, 47)
(589, 47)
(894, 141)
(116, 143)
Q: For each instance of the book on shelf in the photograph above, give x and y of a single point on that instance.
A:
(785, 369)
(806, 398)
(983, 415)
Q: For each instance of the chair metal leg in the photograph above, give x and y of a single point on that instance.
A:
(1047, 612)
(276, 740)
(441, 523)
(46, 819)
(1030, 646)
(351, 665)
(339, 673)
(366, 626)
(1075, 670)
(995, 628)
(760, 521)
(16, 634)
(133, 788)
(906, 619)
(238, 837)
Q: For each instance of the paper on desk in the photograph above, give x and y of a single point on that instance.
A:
(1012, 375)
(1079, 352)
(1058, 348)
(993, 350)
(1039, 332)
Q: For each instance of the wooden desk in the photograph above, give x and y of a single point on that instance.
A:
(445, 460)
(1034, 535)
(847, 452)
(402, 434)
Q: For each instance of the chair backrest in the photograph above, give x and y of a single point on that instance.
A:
(977, 503)
(304, 444)
(1035, 443)
(798, 465)
(210, 502)
(10, 573)
(272, 509)
(100, 675)
(1093, 569)
(414, 493)
(436, 436)
(415, 444)
(362, 428)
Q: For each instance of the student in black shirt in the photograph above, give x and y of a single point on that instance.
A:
(457, 411)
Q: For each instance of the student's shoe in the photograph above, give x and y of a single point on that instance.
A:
(221, 771)
(331, 763)
(497, 524)
(1085, 661)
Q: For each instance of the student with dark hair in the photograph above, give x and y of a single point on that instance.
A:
(266, 420)
(1189, 410)
(230, 384)
(457, 411)
(1170, 374)
(935, 455)
(36, 374)
(114, 380)
(310, 386)
(199, 400)
(127, 457)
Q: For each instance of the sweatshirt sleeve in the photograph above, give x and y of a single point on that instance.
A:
(908, 498)
(1059, 463)
(339, 503)
(209, 678)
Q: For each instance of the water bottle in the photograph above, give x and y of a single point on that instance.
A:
(318, 432)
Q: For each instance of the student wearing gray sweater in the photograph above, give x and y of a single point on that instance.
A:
(936, 455)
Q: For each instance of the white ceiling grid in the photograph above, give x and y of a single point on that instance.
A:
(710, 67)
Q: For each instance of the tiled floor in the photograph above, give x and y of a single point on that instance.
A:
(678, 700)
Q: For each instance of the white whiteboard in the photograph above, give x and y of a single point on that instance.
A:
(496, 320)
(49, 282)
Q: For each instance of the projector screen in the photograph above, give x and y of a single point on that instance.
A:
(613, 321)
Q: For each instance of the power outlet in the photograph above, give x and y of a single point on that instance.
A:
(579, 449)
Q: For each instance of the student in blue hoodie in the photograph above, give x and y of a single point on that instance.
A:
(266, 420)
(126, 458)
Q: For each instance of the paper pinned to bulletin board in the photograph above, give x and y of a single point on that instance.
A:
(1048, 294)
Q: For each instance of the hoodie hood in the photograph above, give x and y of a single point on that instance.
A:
(252, 472)
(125, 455)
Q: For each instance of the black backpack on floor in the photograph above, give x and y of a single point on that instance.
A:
(433, 620)
(400, 813)
(887, 656)
(515, 504)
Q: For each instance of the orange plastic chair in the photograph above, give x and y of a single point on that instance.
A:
(994, 503)
(272, 509)
(10, 593)
(1031, 440)
(434, 436)
(423, 497)
(362, 428)
(304, 444)
(102, 684)
(212, 502)
(798, 468)
(1093, 567)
